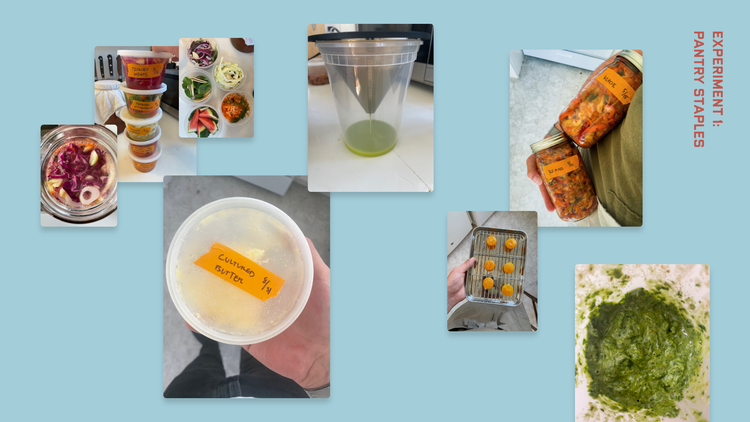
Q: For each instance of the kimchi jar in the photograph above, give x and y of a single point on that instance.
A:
(568, 184)
(603, 101)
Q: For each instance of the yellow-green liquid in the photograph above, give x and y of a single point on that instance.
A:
(370, 138)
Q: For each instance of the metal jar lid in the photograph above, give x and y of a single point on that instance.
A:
(633, 57)
(549, 142)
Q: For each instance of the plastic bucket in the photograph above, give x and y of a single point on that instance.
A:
(146, 164)
(139, 130)
(144, 69)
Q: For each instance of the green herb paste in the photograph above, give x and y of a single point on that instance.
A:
(642, 353)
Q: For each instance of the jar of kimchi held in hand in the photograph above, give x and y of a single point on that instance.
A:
(568, 184)
(604, 99)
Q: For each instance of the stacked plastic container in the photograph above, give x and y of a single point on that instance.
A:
(143, 88)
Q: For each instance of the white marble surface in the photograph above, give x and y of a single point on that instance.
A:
(184, 195)
(537, 97)
(512, 220)
(247, 62)
(408, 167)
(178, 156)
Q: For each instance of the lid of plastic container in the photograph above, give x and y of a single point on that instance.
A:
(106, 85)
(129, 119)
(160, 90)
(144, 53)
(149, 142)
(368, 35)
(146, 160)
(549, 142)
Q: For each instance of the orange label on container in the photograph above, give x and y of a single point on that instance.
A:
(240, 271)
(144, 105)
(141, 131)
(142, 151)
(145, 71)
(561, 167)
(616, 85)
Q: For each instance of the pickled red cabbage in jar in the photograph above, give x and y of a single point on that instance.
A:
(565, 177)
(604, 100)
(80, 174)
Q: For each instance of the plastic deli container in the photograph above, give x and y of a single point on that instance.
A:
(144, 69)
(228, 74)
(145, 164)
(91, 193)
(369, 79)
(140, 129)
(202, 52)
(217, 308)
(143, 149)
(236, 108)
(143, 104)
(603, 102)
(203, 122)
(564, 175)
(193, 92)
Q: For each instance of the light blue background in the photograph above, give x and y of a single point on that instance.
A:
(81, 308)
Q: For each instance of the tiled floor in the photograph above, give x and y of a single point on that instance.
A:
(182, 196)
(543, 90)
(524, 221)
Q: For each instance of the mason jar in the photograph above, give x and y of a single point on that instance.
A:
(80, 174)
(565, 177)
(604, 100)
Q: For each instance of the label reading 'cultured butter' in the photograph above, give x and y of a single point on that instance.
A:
(616, 85)
(145, 71)
(561, 167)
(240, 271)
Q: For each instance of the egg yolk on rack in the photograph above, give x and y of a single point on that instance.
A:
(509, 267)
(491, 242)
(507, 289)
(489, 265)
(488, 283)
(510, 244)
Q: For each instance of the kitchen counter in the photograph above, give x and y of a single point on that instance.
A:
(409, 167)
(178, 156)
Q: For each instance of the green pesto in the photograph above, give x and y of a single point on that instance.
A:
(615, 272)
(642, 353)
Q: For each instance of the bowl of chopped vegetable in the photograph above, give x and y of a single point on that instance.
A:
(227, 73)
(196, 86)
(236, 108)
(202, 52)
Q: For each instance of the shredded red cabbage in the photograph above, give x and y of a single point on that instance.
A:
(72, 165)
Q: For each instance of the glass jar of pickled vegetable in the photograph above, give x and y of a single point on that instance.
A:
(604, 99)
(568, 184)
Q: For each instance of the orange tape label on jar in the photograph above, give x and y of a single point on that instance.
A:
(141, 131)
(142, 151)
(616, 85)
(144, 106)
(561, 167)
(145, 71)
(240, 271)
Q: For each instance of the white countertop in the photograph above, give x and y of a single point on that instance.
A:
(409, 167)
(246, 62)
(178, 156)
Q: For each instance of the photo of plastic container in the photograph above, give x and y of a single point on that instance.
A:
(79, 173)
(144, 149)
(369, 79)
(144, 69)
(196, 86)
(143, 104)
(260, 232)
(140, 129)
(565, 177)
(236, 108)
(145, 164)
(228, 74)
(202, 52)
